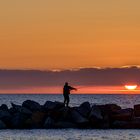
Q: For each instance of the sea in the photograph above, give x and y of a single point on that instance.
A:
(123, 100)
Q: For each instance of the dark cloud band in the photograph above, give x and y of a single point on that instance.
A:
(11, 79)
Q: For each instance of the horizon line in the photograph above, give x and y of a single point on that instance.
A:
(70, 69)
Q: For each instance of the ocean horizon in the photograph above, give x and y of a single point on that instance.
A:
(124, 100)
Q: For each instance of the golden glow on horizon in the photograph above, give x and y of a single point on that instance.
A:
(81, 90)
(61, 34)
(131, 87)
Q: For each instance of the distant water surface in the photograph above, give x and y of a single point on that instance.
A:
(125, 101)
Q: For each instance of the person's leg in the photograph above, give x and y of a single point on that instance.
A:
(68, 100)
(64, 99)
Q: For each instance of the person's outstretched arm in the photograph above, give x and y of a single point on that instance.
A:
(72, 88)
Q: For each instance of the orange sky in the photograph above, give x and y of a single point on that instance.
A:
(61, 34)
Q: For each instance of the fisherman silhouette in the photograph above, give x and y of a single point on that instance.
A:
(66, 92)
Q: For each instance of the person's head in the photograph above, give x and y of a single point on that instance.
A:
(66, 83)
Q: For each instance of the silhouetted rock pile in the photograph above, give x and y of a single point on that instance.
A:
(32, 115)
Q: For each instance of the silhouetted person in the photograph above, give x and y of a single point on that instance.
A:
(66, 92)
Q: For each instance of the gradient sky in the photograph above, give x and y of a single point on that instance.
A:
(61, 34)
(69, 34)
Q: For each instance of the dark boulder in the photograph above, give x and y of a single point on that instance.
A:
(64, 113)
(38, 117)
(84, 109)
(136, 123)
(123, 115)
(77, 118)
(96, 113)
(4, 107)
(49, 105)
(21, 109)
(32, 105)
(137, 110)
(37, 120)
(49, 123)
(122, 125)
(12, 111)
(60, 114)
(18, 121)
(64, 124)
(95, 117)
(5, 116)
(2, 125)
(109, 109)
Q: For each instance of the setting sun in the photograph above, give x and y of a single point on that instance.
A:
(131, 87)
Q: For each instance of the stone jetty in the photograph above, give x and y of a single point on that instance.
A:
(52, 115)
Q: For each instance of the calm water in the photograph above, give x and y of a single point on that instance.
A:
(72, 134)
(124, 101)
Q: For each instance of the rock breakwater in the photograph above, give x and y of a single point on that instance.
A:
(32, 115)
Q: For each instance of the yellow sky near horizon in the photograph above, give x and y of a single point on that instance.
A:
(52, 34)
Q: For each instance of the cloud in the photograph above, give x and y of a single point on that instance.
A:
(13, 79)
